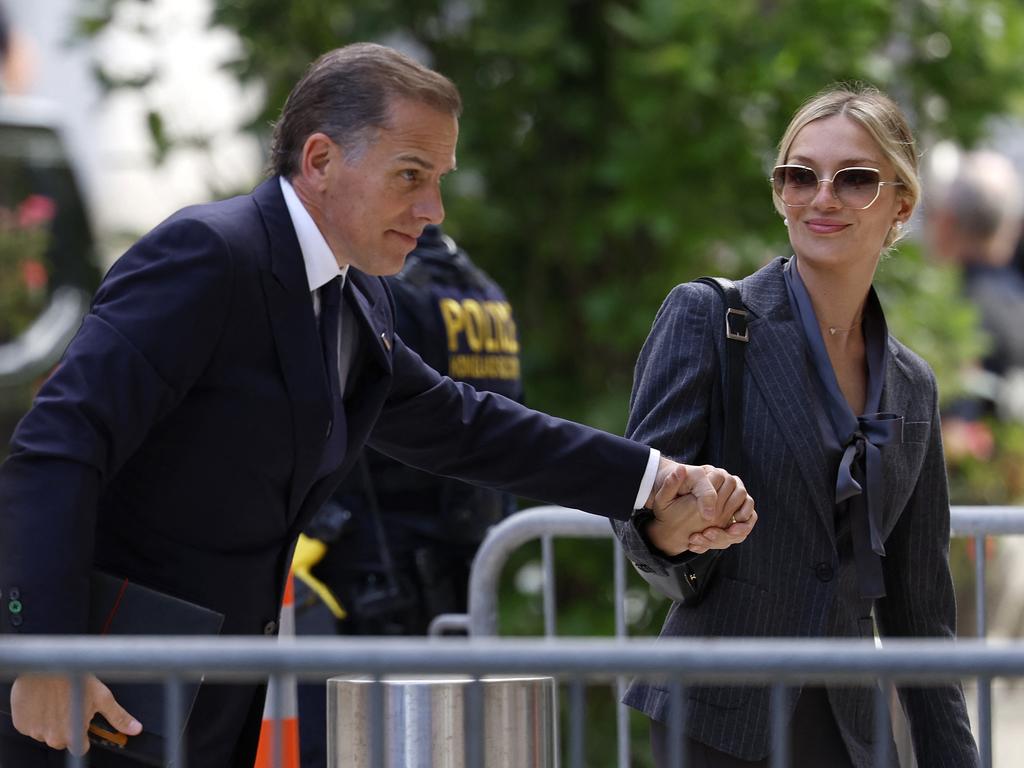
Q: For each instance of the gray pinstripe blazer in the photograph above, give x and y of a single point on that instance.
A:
(794, 576)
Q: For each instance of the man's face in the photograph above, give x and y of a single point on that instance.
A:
(374, 203)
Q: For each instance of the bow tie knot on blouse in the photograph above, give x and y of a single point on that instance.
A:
(861, 466)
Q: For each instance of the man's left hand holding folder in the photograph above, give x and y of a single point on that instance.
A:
(41, 708)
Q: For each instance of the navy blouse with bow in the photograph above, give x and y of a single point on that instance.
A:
(859, 490)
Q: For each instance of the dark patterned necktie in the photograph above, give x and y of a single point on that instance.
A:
(330, 318)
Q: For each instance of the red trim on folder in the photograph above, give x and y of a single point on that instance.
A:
(117, 603)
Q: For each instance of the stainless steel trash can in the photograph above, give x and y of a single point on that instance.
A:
(425, 722)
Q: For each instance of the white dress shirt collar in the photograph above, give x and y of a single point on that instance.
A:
(321, 266)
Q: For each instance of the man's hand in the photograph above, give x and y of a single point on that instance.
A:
(41, 709)
(674, 479)
(698, 508)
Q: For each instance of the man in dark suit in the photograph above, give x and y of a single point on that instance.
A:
(200, 417)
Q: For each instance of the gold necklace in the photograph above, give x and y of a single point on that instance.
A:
(833, 330)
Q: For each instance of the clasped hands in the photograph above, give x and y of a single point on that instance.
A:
(698, 508)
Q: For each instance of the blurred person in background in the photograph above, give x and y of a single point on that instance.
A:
(841, 449)
(973, 220)
(394, 545)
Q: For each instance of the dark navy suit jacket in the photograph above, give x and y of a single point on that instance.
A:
(794, 576)
(179, 441)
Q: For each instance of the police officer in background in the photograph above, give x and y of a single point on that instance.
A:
(393, 547)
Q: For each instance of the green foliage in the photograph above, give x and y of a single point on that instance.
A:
(993, 473)
(612, 149)
(925, 309)
(619, 148)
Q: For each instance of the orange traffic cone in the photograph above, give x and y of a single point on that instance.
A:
(287, 719)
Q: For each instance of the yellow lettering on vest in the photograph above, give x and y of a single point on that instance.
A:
(488, 329)
(493, 310)
(506, 327)
(476, 324)
(483, 367)
(451, 311)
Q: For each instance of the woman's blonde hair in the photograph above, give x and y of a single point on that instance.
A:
(881, 117)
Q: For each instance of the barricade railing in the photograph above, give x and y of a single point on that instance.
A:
(687, 662)
(677, 662)
(547, 522)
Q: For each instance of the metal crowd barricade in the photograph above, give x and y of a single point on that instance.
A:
(680, 662)
(546, 522)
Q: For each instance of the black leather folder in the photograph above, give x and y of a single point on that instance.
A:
(121, 607)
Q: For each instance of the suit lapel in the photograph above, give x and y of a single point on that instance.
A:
(372, 317)
(297, 341)
(776, 359)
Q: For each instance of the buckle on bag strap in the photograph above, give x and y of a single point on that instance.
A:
(737, 328)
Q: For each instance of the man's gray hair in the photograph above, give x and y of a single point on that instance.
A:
(347, 94)
(985, 196)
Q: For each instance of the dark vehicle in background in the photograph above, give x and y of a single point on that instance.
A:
(48, 261)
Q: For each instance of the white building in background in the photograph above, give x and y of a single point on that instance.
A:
(107, 136)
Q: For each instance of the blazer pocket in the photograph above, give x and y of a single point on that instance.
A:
(901, 467)
(916, 431)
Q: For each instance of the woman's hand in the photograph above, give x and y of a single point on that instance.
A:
(735, 514)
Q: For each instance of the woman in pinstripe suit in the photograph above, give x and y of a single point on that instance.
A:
(841, 449)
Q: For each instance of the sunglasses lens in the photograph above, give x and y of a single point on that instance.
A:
(856, 187)
(794, 184)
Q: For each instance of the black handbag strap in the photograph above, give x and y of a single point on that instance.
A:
(685, 583)
(737, 335)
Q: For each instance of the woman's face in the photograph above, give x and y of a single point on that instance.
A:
(826, 234)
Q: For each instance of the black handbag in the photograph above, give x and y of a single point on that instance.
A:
(688, 575)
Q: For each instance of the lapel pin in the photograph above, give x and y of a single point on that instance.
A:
(385, 341)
